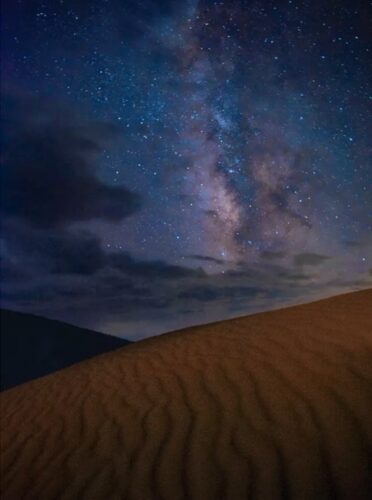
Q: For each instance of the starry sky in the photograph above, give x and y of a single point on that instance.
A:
(167, 163)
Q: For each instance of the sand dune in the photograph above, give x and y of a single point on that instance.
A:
(271, 406)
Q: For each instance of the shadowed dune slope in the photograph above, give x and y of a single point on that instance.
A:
(32, 346)
(271, 406)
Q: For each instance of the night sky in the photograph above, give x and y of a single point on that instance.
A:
(168, 163)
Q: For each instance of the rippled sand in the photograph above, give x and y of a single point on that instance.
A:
(275, 405)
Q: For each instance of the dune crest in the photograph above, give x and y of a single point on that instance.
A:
(270, 406)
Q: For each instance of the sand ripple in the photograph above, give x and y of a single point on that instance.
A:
(272, 406)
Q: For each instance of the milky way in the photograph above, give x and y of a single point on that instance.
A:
(167, 163)
(205, 181)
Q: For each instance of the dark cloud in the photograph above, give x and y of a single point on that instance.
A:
(74, 254)
(354, 284)
(49, 183)
(268, 274)
(200, 293)
(48, 178)
(70, 275)
(359, 244)
(208, 293)
(150, 269)
(206, 258)
(31, 251)
(272, 255)
(10, 272)
(113, 289)
(310, 259)
(354, 243)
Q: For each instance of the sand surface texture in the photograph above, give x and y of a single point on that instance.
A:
(272, 406)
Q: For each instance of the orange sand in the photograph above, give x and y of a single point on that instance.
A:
(271, 406)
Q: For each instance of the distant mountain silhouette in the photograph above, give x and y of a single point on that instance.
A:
(32, 346)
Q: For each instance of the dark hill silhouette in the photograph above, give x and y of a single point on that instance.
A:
(32, 346)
